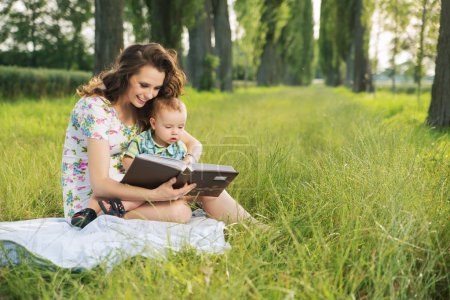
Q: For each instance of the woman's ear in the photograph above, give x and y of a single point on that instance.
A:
(152, 123)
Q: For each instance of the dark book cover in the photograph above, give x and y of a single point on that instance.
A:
(150, 171)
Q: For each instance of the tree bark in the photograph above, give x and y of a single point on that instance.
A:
(108, 32)
(420, 55)
(329, 56)
(439, 111)
(267, 70)
(199, 48)
(361, 62)
(222, 33)
(167, 23)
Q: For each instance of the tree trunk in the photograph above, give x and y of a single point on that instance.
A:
(361, 62)
(222, 33)
(421, 51)
(350, 64)
(395, 48)
(200, 48)
(167, 23)
(439, 111)
(267, 70)
(108, 32)
(329, 55)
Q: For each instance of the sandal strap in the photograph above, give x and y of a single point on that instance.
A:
(116, 207)
(83, 217)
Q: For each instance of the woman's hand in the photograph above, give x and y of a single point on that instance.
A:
(166, 192)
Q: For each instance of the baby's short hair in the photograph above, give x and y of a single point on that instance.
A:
(171, 104)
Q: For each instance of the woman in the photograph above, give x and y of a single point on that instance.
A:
(114, 108)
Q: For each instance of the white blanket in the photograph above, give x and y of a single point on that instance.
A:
(108, 240)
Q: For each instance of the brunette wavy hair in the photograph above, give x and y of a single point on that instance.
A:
(112, 83)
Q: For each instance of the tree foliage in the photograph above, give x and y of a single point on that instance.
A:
(296, 45)
(396, 19)
(344, 41)
(268, 69)
(248, 46)
(167, 18)
(136, 12)
(330, 59)
(42, 33)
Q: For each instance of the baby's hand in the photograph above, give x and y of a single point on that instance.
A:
(189, 159)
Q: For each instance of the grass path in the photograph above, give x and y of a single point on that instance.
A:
(355, 188)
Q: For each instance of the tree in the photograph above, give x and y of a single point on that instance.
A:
(136, 12)
(329, 56)
(200, 58)
(397, 14)
(222, 34)
(167, 19)
(361, 74)
(426, 13)
(44, 33)
(77, 13)
(345, 37)
(250, 37)
(296, 44)
(267, 74)
(108, 32)
(439, 111)
(26, 26)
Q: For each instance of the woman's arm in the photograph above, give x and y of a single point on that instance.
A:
(103, 186)
(194, 147)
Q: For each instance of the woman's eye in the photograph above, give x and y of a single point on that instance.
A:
(143, 85)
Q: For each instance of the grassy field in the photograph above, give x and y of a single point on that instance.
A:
(355, 188)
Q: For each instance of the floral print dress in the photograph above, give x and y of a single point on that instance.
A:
(92, 117)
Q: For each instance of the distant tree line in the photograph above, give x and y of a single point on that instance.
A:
(40, 33)
(274, 41)
(345, 33)
(275, 44)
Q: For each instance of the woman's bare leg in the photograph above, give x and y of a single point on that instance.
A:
(225, 208)
(128, 205)
(168, 211)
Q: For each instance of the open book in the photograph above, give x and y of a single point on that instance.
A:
(150, 171)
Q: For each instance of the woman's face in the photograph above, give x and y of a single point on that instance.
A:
(144, 86)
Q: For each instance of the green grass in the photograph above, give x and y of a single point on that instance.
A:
(355, 187)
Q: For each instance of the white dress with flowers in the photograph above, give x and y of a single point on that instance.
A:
(92, 117)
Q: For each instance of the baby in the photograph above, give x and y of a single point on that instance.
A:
(167, 121)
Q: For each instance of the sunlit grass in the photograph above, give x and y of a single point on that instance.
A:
(355, 187)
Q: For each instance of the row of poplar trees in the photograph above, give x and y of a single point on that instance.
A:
(344, 43)
(281, 50)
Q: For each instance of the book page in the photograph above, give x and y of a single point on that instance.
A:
(174, 163)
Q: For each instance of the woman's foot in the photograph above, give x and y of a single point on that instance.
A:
(113, 207)
(83, 217)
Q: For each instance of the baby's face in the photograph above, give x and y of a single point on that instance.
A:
(168, 126)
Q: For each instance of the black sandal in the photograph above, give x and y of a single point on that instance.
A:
(83, 217)
(116, 207)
